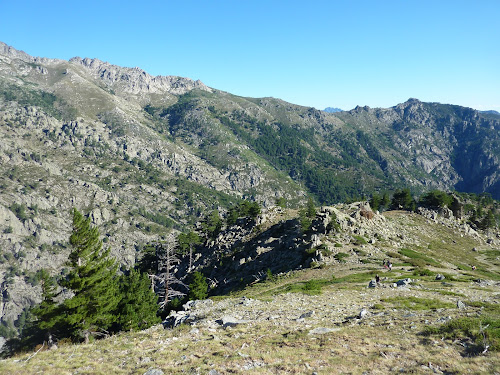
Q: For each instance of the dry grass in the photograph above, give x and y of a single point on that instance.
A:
(275, 341)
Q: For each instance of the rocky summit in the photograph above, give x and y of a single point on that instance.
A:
(148, 157)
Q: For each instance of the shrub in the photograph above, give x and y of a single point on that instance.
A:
(423, 272)
(359, 240)
(483, 331)
(341, 256)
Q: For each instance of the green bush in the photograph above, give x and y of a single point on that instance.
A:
(483, 331)
(359, 240)
(423, 272)
(341, 257)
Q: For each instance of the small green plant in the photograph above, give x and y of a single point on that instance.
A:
(269, 275)
(423, 272)
(341, 257)
(416, 303)
(359, 240)
(325, 251)
(484, 332)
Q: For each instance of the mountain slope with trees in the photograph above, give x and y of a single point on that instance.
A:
(144, 157)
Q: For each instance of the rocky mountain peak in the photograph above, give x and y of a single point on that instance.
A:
(11, 52)
(136, 80)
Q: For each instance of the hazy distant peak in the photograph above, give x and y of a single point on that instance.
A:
(332, 109)
(491, 112)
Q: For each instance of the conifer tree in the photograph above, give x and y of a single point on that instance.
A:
(48, 312)
(385, 202)
(139, 304)
(186, 242)
(198, 289)
(92, 280)
(375, 202)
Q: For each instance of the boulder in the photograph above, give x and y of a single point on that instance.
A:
(230, 321)
(363, 314)
(404, 282)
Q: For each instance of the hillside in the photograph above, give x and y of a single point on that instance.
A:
(147, 156)
(327, 319)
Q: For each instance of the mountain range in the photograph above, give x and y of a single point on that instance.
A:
(143, 155)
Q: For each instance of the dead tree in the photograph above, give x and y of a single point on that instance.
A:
(165, 281)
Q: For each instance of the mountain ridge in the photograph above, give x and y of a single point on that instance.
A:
(144, 156)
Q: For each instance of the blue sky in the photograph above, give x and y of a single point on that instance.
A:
(313, 53)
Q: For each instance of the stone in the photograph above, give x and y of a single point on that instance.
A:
(404, 282)
(154, 371)
(177, 318)
(230, 321)
(307, 315)
(440, 277)
(322, 330)
(372, 284)
(363, 314)
(460, 305)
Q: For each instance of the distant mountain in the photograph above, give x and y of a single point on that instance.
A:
(332, 110)
(491, 112)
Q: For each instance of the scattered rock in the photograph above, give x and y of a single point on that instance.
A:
(307, 315)
(460, 305)
(440, 277)
(322, 330)
(178, 317)
(404, 282)
(229, 321)
(372, 284)
(154, 371)
(363, 314)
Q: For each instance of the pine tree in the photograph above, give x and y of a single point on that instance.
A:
(198, 289)
(48, 312)
(139, 304)
(384, 204)
(212, 225)
(488, 221)
(92, 280)
(375, 202)
(186, 242)
(402, 199)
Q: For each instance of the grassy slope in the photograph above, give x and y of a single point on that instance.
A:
(390, 339)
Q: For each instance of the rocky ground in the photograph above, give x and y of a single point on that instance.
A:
(343, 328)
(332, 318)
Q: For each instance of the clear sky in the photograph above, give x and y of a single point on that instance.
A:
(315, 53)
